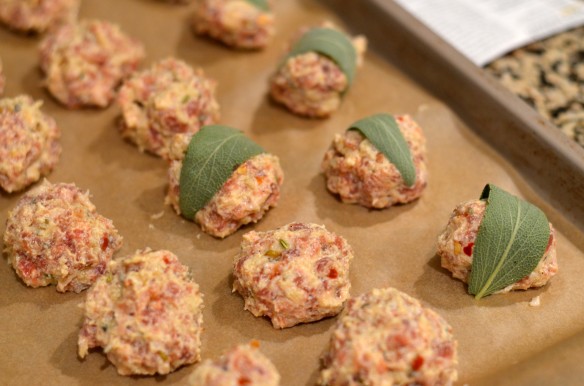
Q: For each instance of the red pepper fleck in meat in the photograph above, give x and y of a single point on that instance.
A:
(104, 243)
(468, 249)
(333, 274)
(418, 363)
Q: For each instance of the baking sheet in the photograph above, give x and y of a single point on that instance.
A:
(500, 338)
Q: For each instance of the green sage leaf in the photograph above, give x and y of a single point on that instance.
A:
(511, 240)
(331, 43)
(383, 132)
(284, 244)
(212, 156)
(261, 4)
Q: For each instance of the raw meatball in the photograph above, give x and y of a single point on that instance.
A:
(387, 338)
(242, 365)
(37, 15)
(311, 84)
(167, 99)
(236, 23)
(54, 235)
(29, 143)
(2, 80)
(84, 62)
(455, 247)
(147, 314)
(361, 174)
(298, 273)
(252, 189)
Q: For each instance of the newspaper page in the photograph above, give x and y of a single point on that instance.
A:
(484, 30)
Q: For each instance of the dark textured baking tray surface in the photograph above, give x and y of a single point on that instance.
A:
(501, 339)
(549, 76)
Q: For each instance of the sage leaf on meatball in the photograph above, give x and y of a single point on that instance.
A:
(317, 72)
(517, 249)
(222, 180)
(379, 162)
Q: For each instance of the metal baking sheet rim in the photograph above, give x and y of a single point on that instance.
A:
(553, 163)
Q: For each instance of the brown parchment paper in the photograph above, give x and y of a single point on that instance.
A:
(502, 340)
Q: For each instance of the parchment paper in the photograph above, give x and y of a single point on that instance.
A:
(500, 337)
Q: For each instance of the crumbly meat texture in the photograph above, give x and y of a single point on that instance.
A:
(146, 313)
(298, 273)
(455, 247)
(252, 189)
(236, 23)
(84, 62)
(54, 235)
(29, 143)
(242, 365)
(168, 99)
(311, 84)
(388, 338)
(37, 15)
(360, 174)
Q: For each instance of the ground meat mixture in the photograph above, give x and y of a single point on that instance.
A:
(252, 189)
(312, 85)
(85, 62)
(169, 98)
(242, 365)
(54, 235)
(37, 15)
(360, 174)
(146, 312)
(236, 23)
(388, 338)
(298, 273)
(549, 75)
(29, 143)
(455, 247)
